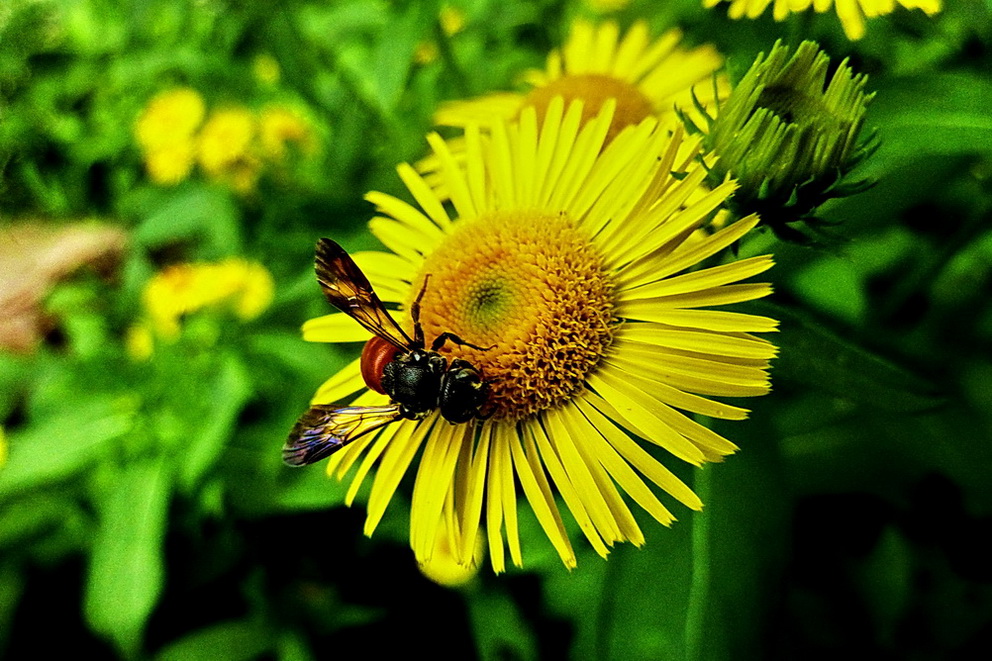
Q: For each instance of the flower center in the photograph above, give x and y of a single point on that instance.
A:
(594, 90)
(529, 289)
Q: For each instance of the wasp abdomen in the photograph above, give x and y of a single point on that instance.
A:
(376, 354)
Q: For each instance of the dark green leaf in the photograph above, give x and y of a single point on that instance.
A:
(236, 640)
(816, 357)
(946, 113)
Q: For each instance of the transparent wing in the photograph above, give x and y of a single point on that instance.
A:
(325, 429)
(347, 289)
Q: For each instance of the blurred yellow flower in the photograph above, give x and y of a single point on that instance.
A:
(280, 126)
(444, 567)
(646, 77)
(852, 13)
(171, 164)
(235, 284)
(266, 69)
(3, 447)
(226, 148)
(170, 117)
(165, 132)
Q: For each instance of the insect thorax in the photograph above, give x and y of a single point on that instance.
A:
(413, 380)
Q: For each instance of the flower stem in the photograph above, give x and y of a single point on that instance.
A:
(699, 587)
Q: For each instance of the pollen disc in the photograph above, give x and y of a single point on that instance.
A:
(594, 90)
(530, 289)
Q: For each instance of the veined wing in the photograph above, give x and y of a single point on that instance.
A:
(347, 289)
(325, 429)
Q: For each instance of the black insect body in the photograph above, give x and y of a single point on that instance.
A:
(418, 380)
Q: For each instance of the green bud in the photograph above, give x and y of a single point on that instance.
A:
(788, 137)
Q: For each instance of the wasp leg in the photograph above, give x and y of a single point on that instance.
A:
(445, 336)
(418, 330)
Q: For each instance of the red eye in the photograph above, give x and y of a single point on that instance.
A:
(375, 356)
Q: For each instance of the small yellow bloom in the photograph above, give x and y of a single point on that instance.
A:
(226, 148)
(452, 20)
(852, 13)
(170, 164)
(266, 69)
(3, 447)
(243, 287)
(165, 132)
(280, 126)
(170, 117)
(444, 567)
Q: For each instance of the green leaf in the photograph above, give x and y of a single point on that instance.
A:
(188, 212)
(236, 640)
(229, 389)
(920, 116)
(616, 617)
(63, 445)
(814, 356)
(393, 55)
(11, 588)
(126, 571)
(29, 517)
(498, 627)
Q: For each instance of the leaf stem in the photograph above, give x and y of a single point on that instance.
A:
(699, 587)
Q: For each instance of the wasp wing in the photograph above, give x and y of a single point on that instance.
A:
(347, 289)
(323, 430)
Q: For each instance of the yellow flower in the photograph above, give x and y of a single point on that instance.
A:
(3, 447)
(567, 260)
(852, 13)
(226, 149)
(171, 116)
(444, 566)
(280, 126)
(171, 164)
(646, 77)
(235, 284)
(165, 132)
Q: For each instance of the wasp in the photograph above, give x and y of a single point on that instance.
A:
(417, 380)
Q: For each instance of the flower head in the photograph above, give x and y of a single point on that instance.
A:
(647, 78)
(165, 133)
(281, 127)
(242, 287)
(567, 261)
(788, 136)
(226, 148)
(852, 13)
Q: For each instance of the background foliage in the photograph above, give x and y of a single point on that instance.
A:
(144, 508)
